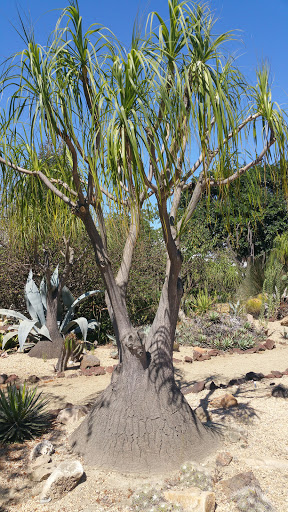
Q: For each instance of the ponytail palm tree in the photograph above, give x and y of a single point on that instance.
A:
(132, 122)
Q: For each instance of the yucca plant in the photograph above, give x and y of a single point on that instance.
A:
(22, 414)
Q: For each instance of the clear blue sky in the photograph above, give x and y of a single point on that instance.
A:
(263, 25)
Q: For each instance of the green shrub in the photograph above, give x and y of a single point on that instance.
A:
(254, 306)
(21, 414)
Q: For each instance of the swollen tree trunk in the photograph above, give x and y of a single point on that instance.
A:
(142, 423)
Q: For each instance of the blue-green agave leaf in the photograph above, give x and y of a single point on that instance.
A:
(34, 298)
(13, 314)
(67, 297)
(43, 293)
(82, 323)
(44, 332)
(70, 313)
(24, 329)
(55, 278)
(8, 337)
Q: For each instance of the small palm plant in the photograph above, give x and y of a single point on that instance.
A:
(22, 414)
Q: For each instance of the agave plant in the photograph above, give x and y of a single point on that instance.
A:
(22, 414)
(36, 303)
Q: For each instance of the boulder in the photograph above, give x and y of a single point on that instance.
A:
(62, 480)
(43, 448)
(228, 401)
(237, 482)
(42, 472)
(89, 361)
(192, 499)
(72, 414)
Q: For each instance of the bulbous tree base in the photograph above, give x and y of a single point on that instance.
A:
(142, 425)
(47, 349)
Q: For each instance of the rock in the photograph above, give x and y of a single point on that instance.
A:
(228, 401)
(72, 414)
(60, 375)
(276, 374)
(237, 382)
(95, 370)
(176, 360)
(3, 378)
(261, 347)
(198, 386)
(254, 376)
(237, 351)
(250, 318)
(176, 347)
(12, 378)
(188, 359)
(62, 480)
(280, 391)
(114, 354)
(40, 461)
(269, 376)
(109, 369)
(202, 414)
(33, 379)
(89, 361)
(224, 459)
(42, 472)
(72, 376)
(237, 482)
(284, 321)
(195, 388)
(200, 350)
(269, 344)
(43, 448)
(192, 499)
(200, 356)
(214, 352)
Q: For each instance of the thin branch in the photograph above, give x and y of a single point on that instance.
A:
(244, 169)
(42, 177)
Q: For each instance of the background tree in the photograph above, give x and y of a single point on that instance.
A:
(127, 119)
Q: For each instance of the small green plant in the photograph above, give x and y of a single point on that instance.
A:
(235, 309)
(22, 414)
(202, 302)
(214, 316)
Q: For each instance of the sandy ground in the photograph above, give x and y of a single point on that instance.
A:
(260, 423)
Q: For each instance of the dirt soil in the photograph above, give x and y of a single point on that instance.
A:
(254, 432)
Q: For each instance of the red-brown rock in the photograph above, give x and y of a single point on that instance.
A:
(95, 370)
(12, 378)
(176, 360)
(277, 374)
(188, 359)
(214, 352)
(269, 344)
(223, 459)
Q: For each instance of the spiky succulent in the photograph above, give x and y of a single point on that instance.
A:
(22, 414)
